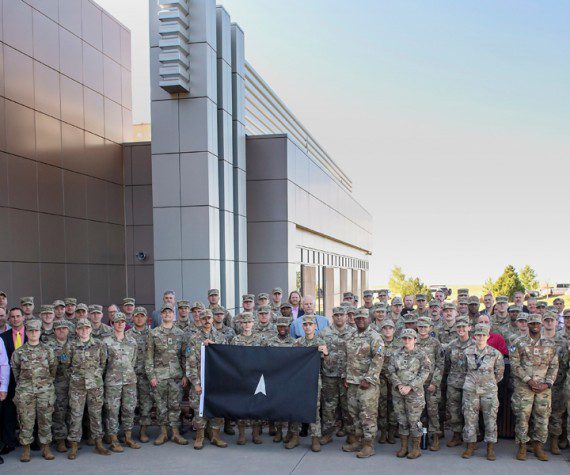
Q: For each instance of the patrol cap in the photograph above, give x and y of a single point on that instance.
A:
(522, 316)
(282, 322)
(339, 311)
(410, 317)
(566, 313)
(263, 295)
(514, 308)
(473, 300)
(551, 308)
(140, 310)
(206, 314)
(82, 306)
(34, 324)
(541, 304)
(434, 303)
(550, 315)
(286, 304)
(309, 319)
(463, 301)
(199, 305)
(2, 292)
(556, 300)
(421, 297)
(61, 323)
(264, 309)
(534, 318)
(502, 299)
(58, 303)
(368, 293)
(119, 317)
(213, 292)
(183, 304)
(351, 309)
(362, 313)
(219, 310)
(97, 309)
(70, 301)
(27, 301)
(166, 306)
(408, 333)
(46, 309)
(247, 298)
(397, 301)
(347, 295)
(379, 306)
(277, 290)
(387, 323)
(461, 292)
(345, 304)
(383, 292)
(482, 329)
(246, 317)
(84, 322)
(448, 306)
(461, 322)
(424, 322)
(128, 301)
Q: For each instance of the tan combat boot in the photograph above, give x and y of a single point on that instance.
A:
(25, 457)
(217, 440)
(367, 449)
(46, 452)
(554, 448)
(468, 453)
(391, 437)
(90, 441)
(491, 451)
(72, 451)
(199, 442)
(383, 436)
(241, 435)
(315, 444)
(352, 444)
(272, 430)
(114, 445)
(60, 446)
(521, 454)
(288, 435)
(99, 449)
(143, 437)
(415, 452)
(455, 440)
(256, 434)
(326, 439)
(434, 446)
(129, 442)
(403, 446)
(177, 438)
(539, 452)
(294, 442)
(228, 429)
(278, 437)
(162, 437)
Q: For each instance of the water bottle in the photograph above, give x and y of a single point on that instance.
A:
(424, 439)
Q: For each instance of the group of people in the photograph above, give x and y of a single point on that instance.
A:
(406, 367)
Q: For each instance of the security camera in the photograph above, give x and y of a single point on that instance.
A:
(141, 256)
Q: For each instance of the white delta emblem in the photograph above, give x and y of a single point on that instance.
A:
(260, 386)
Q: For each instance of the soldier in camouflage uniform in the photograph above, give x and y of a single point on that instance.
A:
(485, 370)
(214, 301)
(27, 306)
(248, 303)
(287, 311)
(473, 305)
(447, 331)
(196, 323)
(128, 309)
(409, 369)
(511, 337)
(387, 421)
(456, 369)
(276, 297)
(421, 306)
(378, 316)
(434, 351)
(333, 390)
(86, 358)
(47, 317)
(264, 329)
(61, 384)
(34, 367)
(364, 359)
(435, 316)
(500, 320)
(350, 313)
(534, 365)
(207, 335)
(59, 309)
(99, 331)
(309, 340)
(183, 322)
(227, 332)
(139, 332)
(165, 368)
(120, 383)
(396, 307)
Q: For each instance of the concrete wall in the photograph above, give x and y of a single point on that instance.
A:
(65, 108)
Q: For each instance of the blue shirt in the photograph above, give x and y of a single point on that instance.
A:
(297, 326)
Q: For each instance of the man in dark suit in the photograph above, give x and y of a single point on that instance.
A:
(13, 338)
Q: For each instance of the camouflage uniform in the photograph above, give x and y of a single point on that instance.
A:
(120, 383)
(501, 325)
(558, 400)
(364, 361)
(446, 334)
(386, 415)
(226, 332)
(47, 335)
(144, 396)
(434, 351)
(34, 368)
(334, 393)
(538, 360)
(264, 331)
(184, 325)
(102, 332)
(166, 362)
(61, 385)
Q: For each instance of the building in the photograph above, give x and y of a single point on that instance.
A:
(231, 192)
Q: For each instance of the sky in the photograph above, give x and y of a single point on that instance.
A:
(451, 118)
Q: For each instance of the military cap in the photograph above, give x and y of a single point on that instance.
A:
(58, 303)
(46, 309)
(424, 322)
(462, 322)
(246, 317)
(128, 301)
(379, 306)
(119, 317)
(27, 301)
(541, 304)
(283, 322)
(347, 295)
(434, 303)
(514, 308)
(82, 306)
(218, 310)
(34, 324)
(383, 292)
(502, 299)
(61, 323)
(449, 305)
(463, 301)
(263, 295)
(387, 323)
(550, 315)
(264, 309)
(362, 313)
(166, 306)
(482, 329)
(213, 292)
(551, 308)
(408, 333)
(421, 297)
(397, 301)
(309, 319)
(84, 322)
(558, 299)
(345, 304)
(277, 290)
(286, 304)
(70, 301)
(140, 310)
(199, 305)
(473, 300)
(339, 311)
(566, 313)
(2, 292)
(96, 309)
(247, 298)
(534, 318)
(351, 309)
(522, 316)
(206, 313)
(368, 293)
(183, 304)
(462, 292)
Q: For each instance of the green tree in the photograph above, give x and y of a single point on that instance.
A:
(400, 284)
(508, 283)
(528, 278)
(488, 286)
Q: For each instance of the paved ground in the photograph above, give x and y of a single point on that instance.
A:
(273, 459)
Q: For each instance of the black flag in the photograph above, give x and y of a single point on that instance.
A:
(267, 383)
